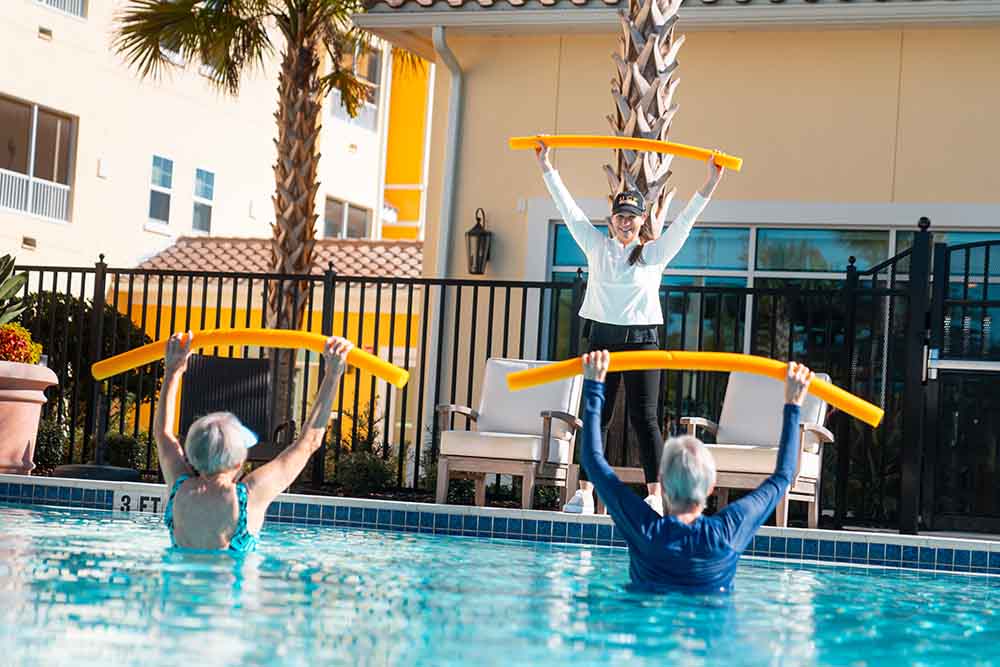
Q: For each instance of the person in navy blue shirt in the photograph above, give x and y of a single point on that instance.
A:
(685, 550)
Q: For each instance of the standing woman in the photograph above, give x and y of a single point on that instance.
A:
(622, 305)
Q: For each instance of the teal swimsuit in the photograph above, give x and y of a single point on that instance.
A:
(243, 540)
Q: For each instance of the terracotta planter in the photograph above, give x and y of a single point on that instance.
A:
(22, 396)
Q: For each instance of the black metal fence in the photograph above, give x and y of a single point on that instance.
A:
(443, 330)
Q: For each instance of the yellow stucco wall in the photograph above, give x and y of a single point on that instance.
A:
(848, 116)
(405, 149)
(354, 323)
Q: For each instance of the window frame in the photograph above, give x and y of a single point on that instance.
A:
(153, 223)
(34, 109)
(368, 109)
(197, 199)
(344, 217)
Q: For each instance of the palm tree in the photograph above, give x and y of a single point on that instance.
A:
(233, 38)
(643, 91)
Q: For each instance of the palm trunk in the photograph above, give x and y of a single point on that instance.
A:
(296, 185)
(643, 91)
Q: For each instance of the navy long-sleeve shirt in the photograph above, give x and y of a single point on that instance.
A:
(664, 552)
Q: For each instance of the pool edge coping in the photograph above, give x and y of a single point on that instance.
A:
(920, 553)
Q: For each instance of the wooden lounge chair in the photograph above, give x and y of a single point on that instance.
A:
(747, 441)
(239, 386)
(529, 433)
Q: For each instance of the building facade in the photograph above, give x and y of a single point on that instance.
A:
(95, 160)
(854, 118)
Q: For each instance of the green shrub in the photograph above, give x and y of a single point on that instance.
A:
(50, 446)
(11, 304)
(124, 450)
(362, 472)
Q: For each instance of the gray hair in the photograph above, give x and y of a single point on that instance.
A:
(214, 443)
(687, 471)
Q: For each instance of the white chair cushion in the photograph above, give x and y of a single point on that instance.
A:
(751, 411)
(758, 459)
(505, 411)
(508, 446)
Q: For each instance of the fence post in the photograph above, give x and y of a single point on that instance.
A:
(326, 324)
(939, 293)
(844, 442)
(574, 319)
(92, 421)
(915, 359)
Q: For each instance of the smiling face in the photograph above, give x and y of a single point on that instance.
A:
(625, 227)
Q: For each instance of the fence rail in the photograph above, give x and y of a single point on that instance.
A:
(74, 7)
(443, 330)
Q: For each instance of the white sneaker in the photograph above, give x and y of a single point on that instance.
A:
(581, 503)
(656, 502)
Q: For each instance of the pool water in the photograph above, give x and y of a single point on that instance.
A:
(82, 587)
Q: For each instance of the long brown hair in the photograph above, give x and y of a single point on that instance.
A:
(645, 236)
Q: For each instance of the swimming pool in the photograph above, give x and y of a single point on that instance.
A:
(82, 586)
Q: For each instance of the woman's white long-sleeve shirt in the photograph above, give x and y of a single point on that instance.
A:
(617, 292)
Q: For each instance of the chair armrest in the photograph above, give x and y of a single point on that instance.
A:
(547, 416)
(280, 428)
(447, 410)
(822, 434)
(693, 423)
(572, 422)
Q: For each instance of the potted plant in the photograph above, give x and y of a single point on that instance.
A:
(22, 380)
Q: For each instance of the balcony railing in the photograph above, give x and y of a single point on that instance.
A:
(74, 7)
(44, 198)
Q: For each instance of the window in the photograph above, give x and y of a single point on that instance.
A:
(826, 250)
(15, 135)
(714, 248)
(366, 64)
(204, 189)
(160, 189)
(74, 7)
(342, 220)
(976, 257)
(36, 147)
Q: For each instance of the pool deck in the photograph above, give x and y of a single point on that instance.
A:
(952, 553)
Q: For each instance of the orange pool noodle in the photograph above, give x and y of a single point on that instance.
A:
(280, 338)
(700, 361)
(629, 143)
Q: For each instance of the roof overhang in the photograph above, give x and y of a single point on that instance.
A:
(409, 25)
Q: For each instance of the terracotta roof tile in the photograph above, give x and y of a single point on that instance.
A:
(349, 257)
(395, 4)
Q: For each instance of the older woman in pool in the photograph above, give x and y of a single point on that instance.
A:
(208, 507)
(685, 550)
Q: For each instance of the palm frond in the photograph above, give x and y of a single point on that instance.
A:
(228, 35)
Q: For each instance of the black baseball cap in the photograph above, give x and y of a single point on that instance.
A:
(629, 202)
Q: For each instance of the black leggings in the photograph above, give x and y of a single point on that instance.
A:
(642, 395)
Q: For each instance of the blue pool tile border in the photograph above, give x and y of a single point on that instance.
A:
(883, 550)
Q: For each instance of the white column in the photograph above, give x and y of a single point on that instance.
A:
(385, 96)
(425, 174)
(31, 158)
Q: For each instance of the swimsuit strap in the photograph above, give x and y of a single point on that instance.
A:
(242, 541)
(168, 511)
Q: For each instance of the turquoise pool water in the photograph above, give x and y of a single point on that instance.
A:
(86, 587)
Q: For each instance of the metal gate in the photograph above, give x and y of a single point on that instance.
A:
(961, 471)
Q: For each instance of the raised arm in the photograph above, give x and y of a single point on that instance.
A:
(667, 245)
(742, 519)
(583, 231)
(168, 448)
(265, 483)
(633, 517)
